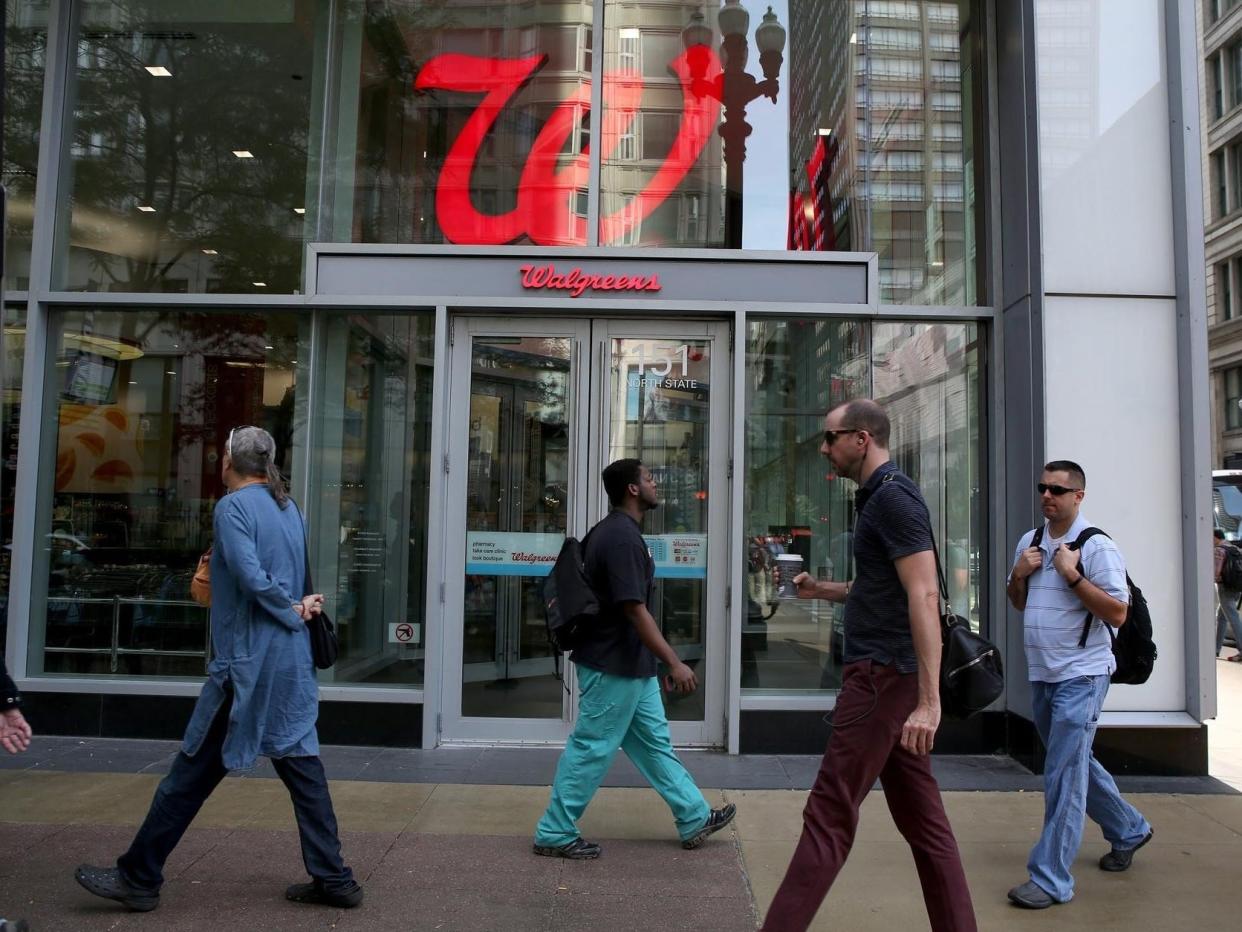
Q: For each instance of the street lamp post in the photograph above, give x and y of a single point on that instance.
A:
(736, 89)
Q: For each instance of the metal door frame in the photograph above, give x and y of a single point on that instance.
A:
(588, 413)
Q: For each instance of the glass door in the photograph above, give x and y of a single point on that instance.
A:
(532, 425)
(663, 397)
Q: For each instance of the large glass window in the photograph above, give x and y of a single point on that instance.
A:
(464, 123)
(371, 475)
(139, 404)
(1233, 398)
(815, 125)
(187, 166)
(25, 49)
(927, 376)
(809, 126)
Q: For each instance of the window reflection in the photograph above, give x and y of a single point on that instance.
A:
(25, 50)
(371, 475)
(472, 124)
(188, 147)
(10, 424)
(142, 402)
(927, 376)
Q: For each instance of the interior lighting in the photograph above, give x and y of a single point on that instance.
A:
(243, 153)
(146, 208)
(299, 210)
(825, 131)
(259, 284)
(210, 252)
(158, 71)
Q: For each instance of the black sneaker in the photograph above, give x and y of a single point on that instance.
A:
(1119, 859)
(313, 893)
(577, 850)
(108, 883)
(717, 820)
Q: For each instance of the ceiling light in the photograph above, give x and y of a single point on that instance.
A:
(133, 383)
(158, 71)
(210, 252)
(146, 208)
(825, 131)
(259, 284)
(169, 372)
(299, 210)
(269, 347)
(243, 153)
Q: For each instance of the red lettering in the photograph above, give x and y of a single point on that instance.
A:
(545, 193)
(578, 282)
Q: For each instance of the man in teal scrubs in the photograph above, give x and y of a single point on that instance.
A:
(619, 704)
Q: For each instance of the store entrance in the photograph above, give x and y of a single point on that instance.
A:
(538, 407)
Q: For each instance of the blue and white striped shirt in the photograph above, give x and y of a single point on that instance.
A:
(1054, 615)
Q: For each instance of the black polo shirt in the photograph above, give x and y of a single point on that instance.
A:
(621, 570)
(892, 522)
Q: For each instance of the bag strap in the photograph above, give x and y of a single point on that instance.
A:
(1038, 537)
(307, 583)
(1082, 538)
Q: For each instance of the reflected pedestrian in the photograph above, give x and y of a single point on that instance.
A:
(261, 696)
(1227, 597)
(888, 709)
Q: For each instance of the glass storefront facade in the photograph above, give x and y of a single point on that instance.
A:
(204, 147)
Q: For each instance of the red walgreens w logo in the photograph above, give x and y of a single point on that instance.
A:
(545, 194)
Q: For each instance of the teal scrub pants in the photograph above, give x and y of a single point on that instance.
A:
(618, 712)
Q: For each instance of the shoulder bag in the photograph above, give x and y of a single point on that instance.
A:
(971, 675)
(324, 644)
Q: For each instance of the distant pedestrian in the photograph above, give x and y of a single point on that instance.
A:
(261, 696)
(15, 732)
(1055, 585)
(619, 704)
(1227, 596)
(888, 709)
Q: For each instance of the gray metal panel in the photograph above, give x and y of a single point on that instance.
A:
(687, 279)
(1020, 350)
(1192, 355)
(28, 559)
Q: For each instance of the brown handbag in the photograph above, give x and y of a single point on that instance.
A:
(200, 585)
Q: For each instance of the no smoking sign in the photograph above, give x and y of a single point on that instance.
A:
(403, 633)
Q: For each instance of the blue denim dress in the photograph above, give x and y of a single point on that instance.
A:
(261, 647)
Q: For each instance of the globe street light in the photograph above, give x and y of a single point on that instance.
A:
(735, 88)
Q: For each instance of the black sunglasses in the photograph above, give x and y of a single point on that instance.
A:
(1043, 487)
(830, 436)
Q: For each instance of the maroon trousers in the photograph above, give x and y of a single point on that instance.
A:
(873, 705)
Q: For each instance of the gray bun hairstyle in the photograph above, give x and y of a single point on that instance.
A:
(253, 452)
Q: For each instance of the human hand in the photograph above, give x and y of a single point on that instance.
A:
(919, 732)
(15, 732)
(808, 588)
(312, 605)
(1029, 560)
(680, 679)
(1065, 561)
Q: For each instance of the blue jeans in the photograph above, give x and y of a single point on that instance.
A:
(1075, 784)
(191, 780)
(618, 712)
(1228, 614)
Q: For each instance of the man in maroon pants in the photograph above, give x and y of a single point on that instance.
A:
(888, 709)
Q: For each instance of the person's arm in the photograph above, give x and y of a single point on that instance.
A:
(811, 588)
(236, 547)
(917, 573)
(1025, 562)
(680, 677)
(1094, 599)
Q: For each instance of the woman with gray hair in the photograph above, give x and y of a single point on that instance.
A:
(261, 697)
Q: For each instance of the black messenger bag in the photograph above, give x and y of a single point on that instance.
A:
(971, 674)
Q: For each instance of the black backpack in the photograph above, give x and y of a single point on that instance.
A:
(1231, 569)
(570, 604)
(1133, 647)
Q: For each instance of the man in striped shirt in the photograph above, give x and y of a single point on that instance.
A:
(1055, 586)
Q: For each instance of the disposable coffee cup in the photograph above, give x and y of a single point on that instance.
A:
(788, 566)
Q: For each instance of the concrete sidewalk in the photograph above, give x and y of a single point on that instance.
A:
(457, 856)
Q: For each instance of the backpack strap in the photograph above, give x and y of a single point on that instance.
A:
(1038, 537)
(1086, 535)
